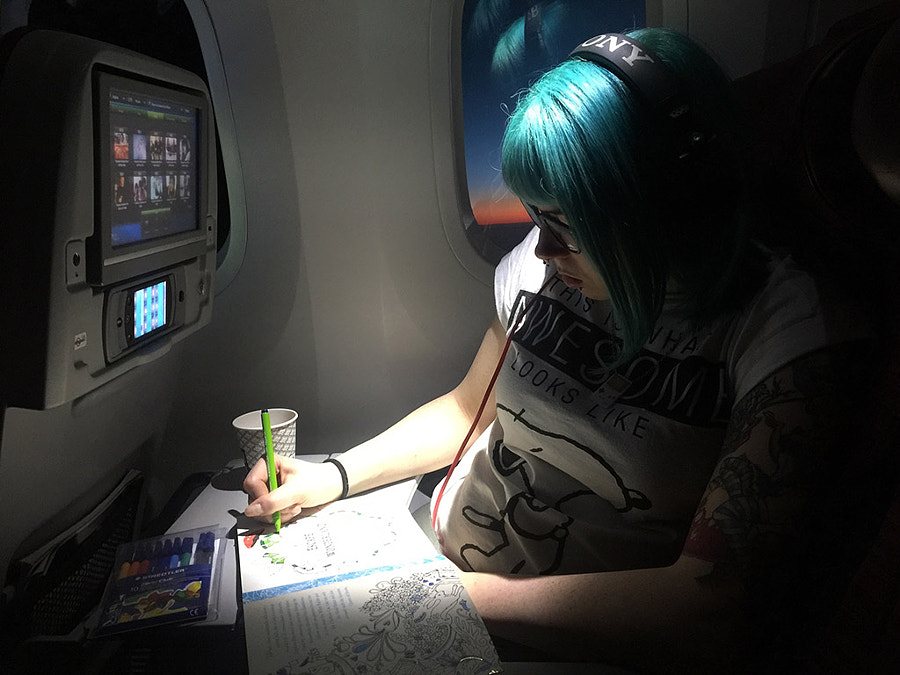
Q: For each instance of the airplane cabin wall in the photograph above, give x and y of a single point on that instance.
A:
(350, 305)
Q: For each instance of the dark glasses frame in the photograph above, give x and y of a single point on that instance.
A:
(555, 226)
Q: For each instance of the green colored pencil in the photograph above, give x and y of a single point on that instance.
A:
(270, 460)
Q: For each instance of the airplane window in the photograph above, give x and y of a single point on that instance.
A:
(506, 45)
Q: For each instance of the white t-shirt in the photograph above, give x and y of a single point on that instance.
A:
(583, 472)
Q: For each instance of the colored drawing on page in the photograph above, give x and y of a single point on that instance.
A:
(331, 542)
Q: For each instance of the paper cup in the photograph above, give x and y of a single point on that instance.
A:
(252, 441)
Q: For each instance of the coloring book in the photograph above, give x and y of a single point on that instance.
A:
(357, 587)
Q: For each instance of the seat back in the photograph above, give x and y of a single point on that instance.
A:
(825, 134)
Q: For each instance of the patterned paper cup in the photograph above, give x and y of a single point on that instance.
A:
(252, 440)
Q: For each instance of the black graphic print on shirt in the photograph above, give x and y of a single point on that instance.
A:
(666, 378)
(545, 526)
(561, 358)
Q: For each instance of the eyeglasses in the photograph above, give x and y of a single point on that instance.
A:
(556, 227)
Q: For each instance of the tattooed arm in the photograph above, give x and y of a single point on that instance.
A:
(781, 441)
(692, 616)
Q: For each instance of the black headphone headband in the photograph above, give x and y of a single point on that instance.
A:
(651, 79)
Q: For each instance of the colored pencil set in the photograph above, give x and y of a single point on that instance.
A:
(162, 580)
(168, 554)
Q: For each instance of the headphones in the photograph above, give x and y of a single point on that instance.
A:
(654, 82)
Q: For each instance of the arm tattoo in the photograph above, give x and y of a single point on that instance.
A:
(781, 436)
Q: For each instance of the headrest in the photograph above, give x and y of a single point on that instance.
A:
(876, 111)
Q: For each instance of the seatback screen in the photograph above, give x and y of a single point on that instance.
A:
(150, 310)
(153, 167)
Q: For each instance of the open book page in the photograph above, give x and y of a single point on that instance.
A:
(357, 587)
(345, 537)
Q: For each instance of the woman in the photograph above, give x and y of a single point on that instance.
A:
(635, 488)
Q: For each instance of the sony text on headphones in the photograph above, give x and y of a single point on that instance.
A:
(653, 81)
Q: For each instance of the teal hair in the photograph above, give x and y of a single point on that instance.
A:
(581, 141)
(509, 54)
(501, 23)
(491, 17)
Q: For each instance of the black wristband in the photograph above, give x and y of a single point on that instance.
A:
(345, 484)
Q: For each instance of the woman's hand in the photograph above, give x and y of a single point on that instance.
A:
(301, 485)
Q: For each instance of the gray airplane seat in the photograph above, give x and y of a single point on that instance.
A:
(827, 140)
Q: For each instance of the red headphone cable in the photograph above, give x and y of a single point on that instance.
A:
(484, 400)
